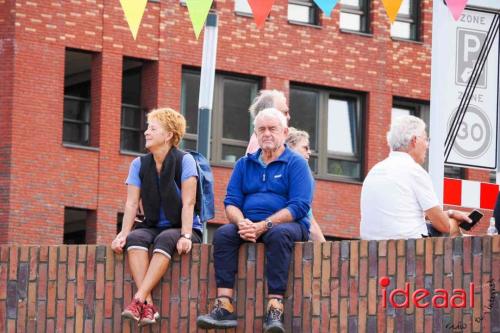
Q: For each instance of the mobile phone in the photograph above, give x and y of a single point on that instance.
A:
(475, 216)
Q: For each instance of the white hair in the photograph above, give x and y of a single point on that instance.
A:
(403, 129)
(271, 113)
(264, 100)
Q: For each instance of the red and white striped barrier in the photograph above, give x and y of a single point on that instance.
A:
(467, 193)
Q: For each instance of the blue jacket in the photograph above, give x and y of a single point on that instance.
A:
(260, 191)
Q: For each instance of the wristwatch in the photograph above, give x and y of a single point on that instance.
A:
(269, 224)
(187, 236)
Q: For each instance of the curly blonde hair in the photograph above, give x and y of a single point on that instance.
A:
(171, 121)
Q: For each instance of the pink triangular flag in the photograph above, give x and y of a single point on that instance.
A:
(260, 10)
(456, 7)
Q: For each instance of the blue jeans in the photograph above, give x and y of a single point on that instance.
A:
(279, 242)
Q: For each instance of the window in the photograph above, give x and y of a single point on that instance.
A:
(133, 120)
(333, 120)
(77, 106)
(79, 226)
(302, 11)
(406, 24)
(231, 121)
(354, 15)
(242, 6)
(403, 107)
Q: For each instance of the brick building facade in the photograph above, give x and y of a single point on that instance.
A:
(58, 164)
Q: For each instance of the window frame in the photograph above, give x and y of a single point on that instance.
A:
(363, 11)
(312, 7)
(321, 153)
(217, 140)
(87, 107)
(139, 108)
(242, 13)
(413, 19)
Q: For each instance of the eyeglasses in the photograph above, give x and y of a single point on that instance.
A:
(425, 138)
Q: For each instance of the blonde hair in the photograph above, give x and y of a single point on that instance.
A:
(171, 121)
(295, 136)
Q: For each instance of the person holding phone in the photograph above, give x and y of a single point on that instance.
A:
(397, 194)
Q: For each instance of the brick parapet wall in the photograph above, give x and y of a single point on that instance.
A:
(332, 287)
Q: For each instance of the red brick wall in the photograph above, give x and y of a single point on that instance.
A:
(43, 176)
(7, 45)
(332, 287)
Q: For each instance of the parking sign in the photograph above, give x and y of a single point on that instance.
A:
(469, 44)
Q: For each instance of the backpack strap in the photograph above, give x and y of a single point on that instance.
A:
(179, 155)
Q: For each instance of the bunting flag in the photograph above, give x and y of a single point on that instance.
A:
(392, 8)
(326, 6)
(260, 10)
(456, 7)
(198, 12)
(134, 10)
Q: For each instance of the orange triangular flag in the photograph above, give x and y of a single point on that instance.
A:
(260, 10)
(392, 8)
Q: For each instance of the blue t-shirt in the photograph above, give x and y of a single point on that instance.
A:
(188, 170)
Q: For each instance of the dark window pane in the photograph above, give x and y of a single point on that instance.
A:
(313, 164)
(304, 113)
(76, 116)
(76, 133)
(77, 67)
(344, 168)
(232, 153)
(188, 144)
(190, 96)
(131, 140)
(132, 117)
(77, 110)
(238, 96)
(131, 87)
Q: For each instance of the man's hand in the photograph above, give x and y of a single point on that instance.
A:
(457, 217)
(251, 231)
(119, 242)
(184, 245)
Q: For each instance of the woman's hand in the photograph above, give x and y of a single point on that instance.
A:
(119, 242)
(184, 245)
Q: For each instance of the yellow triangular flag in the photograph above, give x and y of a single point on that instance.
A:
(198, 11)
(392, 8)
(133, 9)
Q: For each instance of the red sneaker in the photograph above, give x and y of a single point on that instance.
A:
(133, 310)
(149, 315)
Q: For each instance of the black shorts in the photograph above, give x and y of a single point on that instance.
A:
(164, 240)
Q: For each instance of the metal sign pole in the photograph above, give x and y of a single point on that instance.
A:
(205, 101)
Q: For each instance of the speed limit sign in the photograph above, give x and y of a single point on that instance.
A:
(475, 134)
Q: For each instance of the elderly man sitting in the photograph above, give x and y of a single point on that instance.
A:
(268, 198)
(397, 193)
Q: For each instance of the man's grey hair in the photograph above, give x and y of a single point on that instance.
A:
(295, 136)
(403, 129)
(271, 113)
(264, 100)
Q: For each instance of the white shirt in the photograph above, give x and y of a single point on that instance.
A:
(396, 193)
